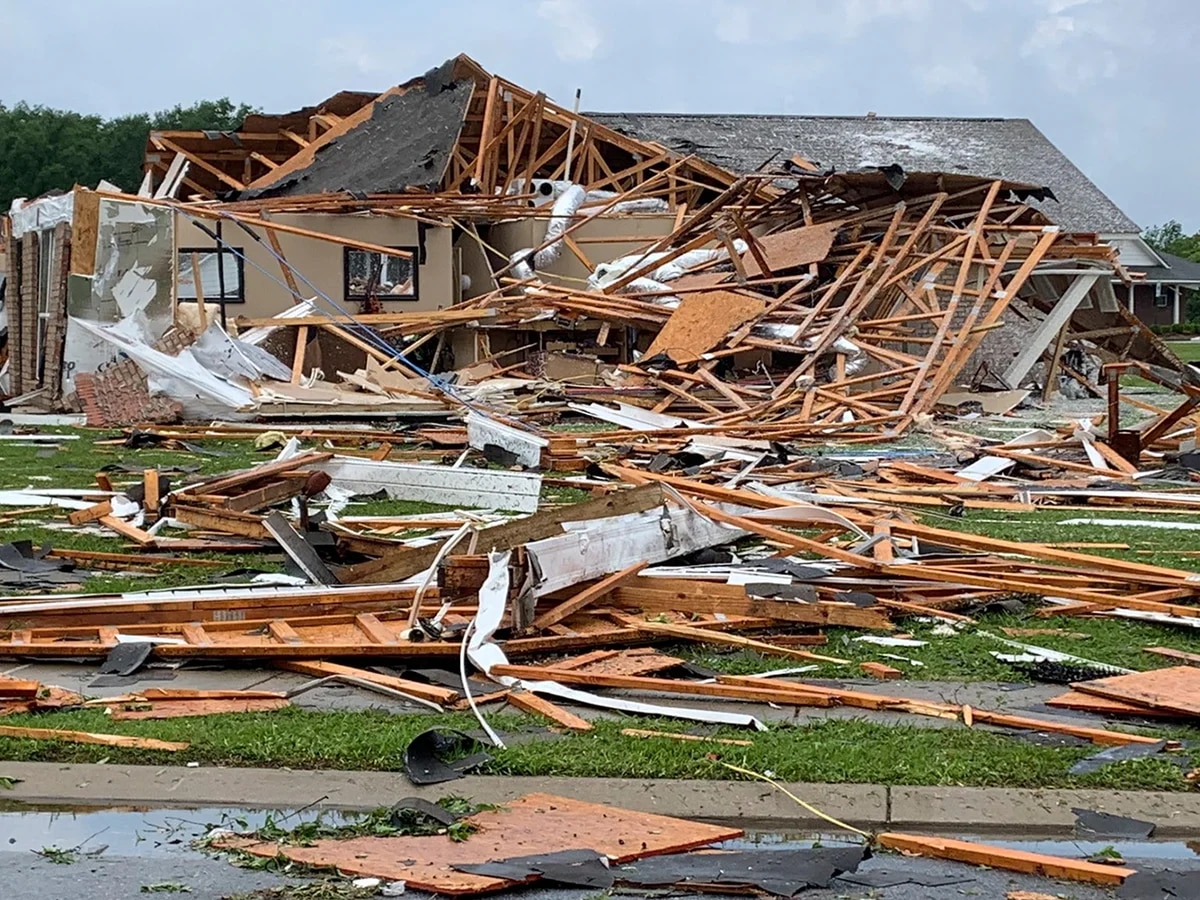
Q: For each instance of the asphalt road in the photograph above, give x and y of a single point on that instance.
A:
(27, 876)
(120, 852)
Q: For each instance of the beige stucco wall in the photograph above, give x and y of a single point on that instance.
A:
(600, 240)
(321, 262)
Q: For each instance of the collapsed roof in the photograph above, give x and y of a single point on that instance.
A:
(1012, 149)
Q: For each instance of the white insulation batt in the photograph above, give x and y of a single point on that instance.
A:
(475, 488)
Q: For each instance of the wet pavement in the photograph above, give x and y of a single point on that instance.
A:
(113, 854)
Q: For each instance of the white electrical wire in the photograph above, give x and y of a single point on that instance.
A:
(466, 686)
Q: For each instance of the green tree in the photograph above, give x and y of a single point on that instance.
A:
(43, 149)
(1169, 238)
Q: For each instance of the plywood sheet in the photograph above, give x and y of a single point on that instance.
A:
(534, 824)
(85, 224)
(701, 321)
(1103, 706)
(789, 249)
(1176, 689)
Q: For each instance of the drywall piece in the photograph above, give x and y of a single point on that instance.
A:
(701, 321)
(600, 547)
(526, 447)
(985, 467)
(995, 403)
(474, 488)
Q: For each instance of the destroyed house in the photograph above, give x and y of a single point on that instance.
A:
(459, 225)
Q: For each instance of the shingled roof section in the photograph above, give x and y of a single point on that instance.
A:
(1176, 271)
(1004, 148)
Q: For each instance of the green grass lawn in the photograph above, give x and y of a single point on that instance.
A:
(832, 751)
(1188, 351)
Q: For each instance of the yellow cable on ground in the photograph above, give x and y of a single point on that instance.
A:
(812, 809)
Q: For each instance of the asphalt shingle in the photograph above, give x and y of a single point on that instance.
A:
(1013, 149)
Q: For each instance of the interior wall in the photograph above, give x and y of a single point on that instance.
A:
(322, 263)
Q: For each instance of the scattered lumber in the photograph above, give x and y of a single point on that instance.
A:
(1004, 858)
(87, 737)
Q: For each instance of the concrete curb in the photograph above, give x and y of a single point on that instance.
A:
(748, 804)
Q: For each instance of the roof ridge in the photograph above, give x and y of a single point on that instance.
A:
(743, 115)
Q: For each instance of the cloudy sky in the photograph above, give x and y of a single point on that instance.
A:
(1111, 82)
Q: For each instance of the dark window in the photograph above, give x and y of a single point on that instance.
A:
(220, 275)
(368, 273)
(1161, 298)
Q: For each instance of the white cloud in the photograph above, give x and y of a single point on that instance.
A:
(733, 23)
(353, 53)
(575, 33)
(963, 77)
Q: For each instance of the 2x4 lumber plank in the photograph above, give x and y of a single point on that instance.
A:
(1004, 858)
(585, 597)
(759, 694)
(704, 636)
(684, 595)
(87, 737)
(540, 706)
(321, 669)
(126, 530)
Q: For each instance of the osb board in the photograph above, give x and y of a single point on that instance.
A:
(85, 223)
(638, 661)
(1082, 702)
(1176, 689)
(534, 824)
(792, 248)
(701, 321)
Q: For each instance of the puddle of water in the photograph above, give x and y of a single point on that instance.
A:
(133, 831)
(128, 831)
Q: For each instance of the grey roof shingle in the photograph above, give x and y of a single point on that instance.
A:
(1009, 148)
(1177, 271)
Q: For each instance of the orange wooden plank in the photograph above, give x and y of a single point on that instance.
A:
(1176, 689)
(1003, 858)
(540, 706)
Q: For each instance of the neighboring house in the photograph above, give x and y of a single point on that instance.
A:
(1013, 149)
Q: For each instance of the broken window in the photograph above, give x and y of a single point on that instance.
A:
(371, 274)
(220, 275)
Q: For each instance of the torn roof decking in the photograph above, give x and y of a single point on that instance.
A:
(260, 143)
(1013, 149)
(404, 141)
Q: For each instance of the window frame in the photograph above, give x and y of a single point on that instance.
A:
(415, 260)
(237, 254)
